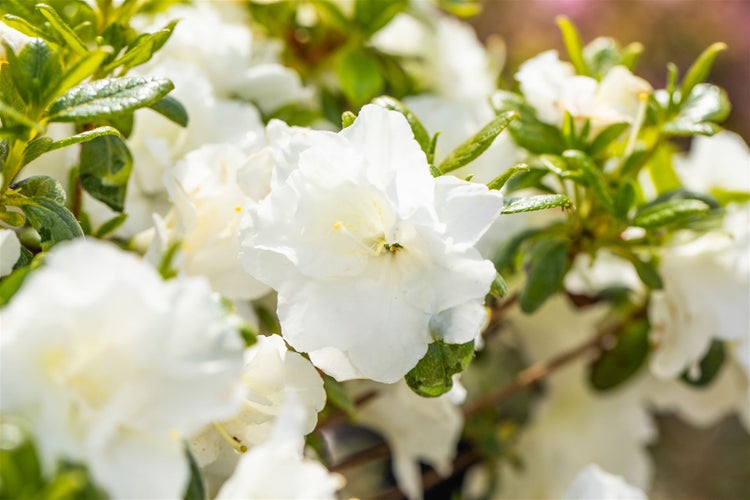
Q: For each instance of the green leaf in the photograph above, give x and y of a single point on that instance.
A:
(618, 364)
(359, 75)
(111, 225)
(86, 136)
(433, 374)
(52, 221)
(624, 199)
(10, 284)
(34, 71)
(528, 131)
(546, 266)
(499, 287)
(112, 96)
(196, 487)
(417, 128)
(573, 45)
(538, 202)
(669, 212)
(461, 8)
(647, 272)
(709, 366)
(337, 396)
(604, 138)
(105, 168)
(706, 106)
(372, 16)
(601, 55)
(700, 69)
(36, 148)
(172, 109)
(347, 119)
(505, 255)
(661, 169)
(41, 186)
(141, 49)
(62, 28)
(498, 182)
(81, 70)
(594, 176)
(631, 54)
(478, 144)
(25, 27)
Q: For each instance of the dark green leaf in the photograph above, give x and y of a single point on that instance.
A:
(618, 364)
(105, 168)
(52, 221)
(498, 182)
(36, 148)
(359, 75)
(34, 71)
(546, 266)
(624, 199)
(647, 272)
(433, 374)
(112, 96)
(505, 255)
(709, 366)
(172, 109)
(669, 212)
(196, 487)
(700, 69)
(475, 146)
(41, 186)
(419, 131)
(538, 202)
(594, 176)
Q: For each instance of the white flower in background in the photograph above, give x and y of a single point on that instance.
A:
(119, 368)
(365, 247)
(720, 162)
(208, 205)
(552, 88)
(14, 38)
(593, 483)
(277, 468)
(417, 430)
(10, 251)
(705, 296)
(573, 426)
(589, 276)
(214, 36)
(272, 375)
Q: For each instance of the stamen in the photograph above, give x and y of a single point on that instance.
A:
(339, 226)
(234, 441)
(637, 123)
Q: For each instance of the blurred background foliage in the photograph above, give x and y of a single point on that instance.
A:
(670, 30)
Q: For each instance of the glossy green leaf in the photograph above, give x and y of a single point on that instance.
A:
(538, 202)
(528, 131)
(141, 50)
(698, 72)
(41, 186)
(62, 28)
(478, 144)
(104, 170)
(85, 136)
(359, 75)
(52, 220)
(498, 182)
(36, 148)
(171, 109)
(618, 364)
(546, 266)
(433, 375)
(112, 96)
(709, 367)
(81, 70)
(669, 212)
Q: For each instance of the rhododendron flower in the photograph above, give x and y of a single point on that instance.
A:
(113, 367)
(10, 251)
(593, 482)
(365, 248)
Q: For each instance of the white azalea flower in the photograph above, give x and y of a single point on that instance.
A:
(119, 368)
(710, 301)
(573, 425)
(594, 483)
(718, 162)
(10, 251)
(277, 468)
(364, 247)
(417, 430)
(272, 376)
(588, 275)
(208, 205)
(552, 88)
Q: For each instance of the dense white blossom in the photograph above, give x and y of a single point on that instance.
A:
(10, 250)
(277, 468)
(272, 375)
(718, 162)
(119, 367)
(594, 483)
(365, 247)
(410, 424)
(552, 88)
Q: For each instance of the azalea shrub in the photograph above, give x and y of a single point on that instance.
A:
(320, 249)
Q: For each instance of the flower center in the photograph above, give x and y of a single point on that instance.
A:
(373, 246)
